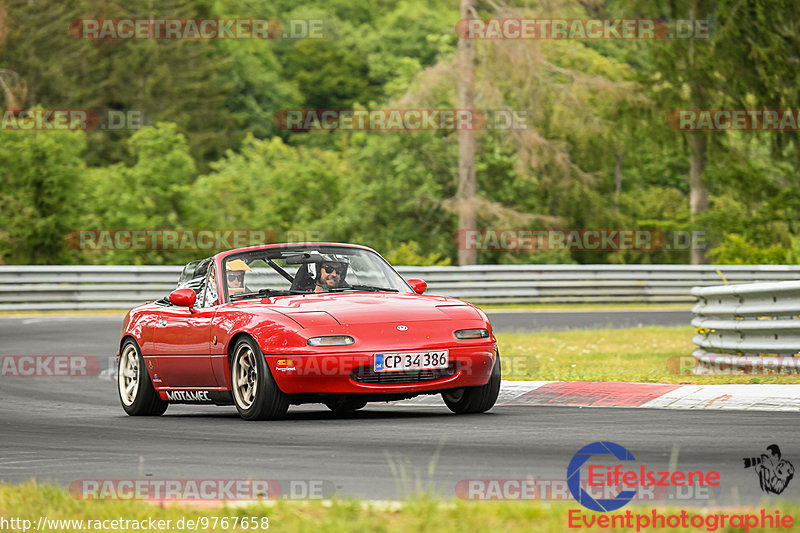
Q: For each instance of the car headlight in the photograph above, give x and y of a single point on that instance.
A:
(477, 333)
(331, 340)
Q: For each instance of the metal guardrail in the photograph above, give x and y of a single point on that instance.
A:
(120, 287)
(751, 327)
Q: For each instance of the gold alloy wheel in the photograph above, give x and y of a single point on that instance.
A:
(245, 376)
(128, 375)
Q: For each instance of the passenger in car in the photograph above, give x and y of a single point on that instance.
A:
(235, 271)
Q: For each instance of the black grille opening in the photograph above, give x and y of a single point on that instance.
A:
(366, 374)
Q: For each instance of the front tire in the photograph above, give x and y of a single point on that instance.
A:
(475, 399)
(136, 391)
(255, 393)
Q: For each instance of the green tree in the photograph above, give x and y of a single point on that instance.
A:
(39, 201)
(329, 76)
(152, 194)
(269, 186)
(174, 80)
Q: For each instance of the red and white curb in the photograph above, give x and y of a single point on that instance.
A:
(646, 395)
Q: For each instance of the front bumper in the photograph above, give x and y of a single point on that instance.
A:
(352, 373)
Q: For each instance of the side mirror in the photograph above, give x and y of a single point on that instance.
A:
(418, 285)
(183, 298)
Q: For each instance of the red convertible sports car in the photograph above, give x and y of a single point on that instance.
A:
(268, 326)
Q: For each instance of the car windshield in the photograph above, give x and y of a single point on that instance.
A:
(308, 269)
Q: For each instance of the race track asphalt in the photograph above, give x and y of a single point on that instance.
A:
(68, 429)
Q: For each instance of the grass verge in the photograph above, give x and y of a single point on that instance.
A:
(647, 355)
(30, 501)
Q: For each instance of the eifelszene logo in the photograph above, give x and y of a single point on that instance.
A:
(774, 473)
(601, 478)
(574, 476)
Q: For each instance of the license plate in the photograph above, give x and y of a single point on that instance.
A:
(400, 361)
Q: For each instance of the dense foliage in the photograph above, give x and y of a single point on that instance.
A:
(597, 152)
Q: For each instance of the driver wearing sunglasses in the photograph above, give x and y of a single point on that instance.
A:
(331, 275)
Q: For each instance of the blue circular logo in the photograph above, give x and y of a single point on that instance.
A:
(574, 476)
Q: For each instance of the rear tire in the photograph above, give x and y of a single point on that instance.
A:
(136, 392)
(475, 399)
(255, 393)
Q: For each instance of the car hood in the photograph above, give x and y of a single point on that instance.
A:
(370, 308)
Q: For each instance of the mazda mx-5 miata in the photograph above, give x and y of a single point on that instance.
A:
(270, 326)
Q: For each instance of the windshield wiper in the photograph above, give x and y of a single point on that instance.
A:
(362, 288)
(265, 292)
